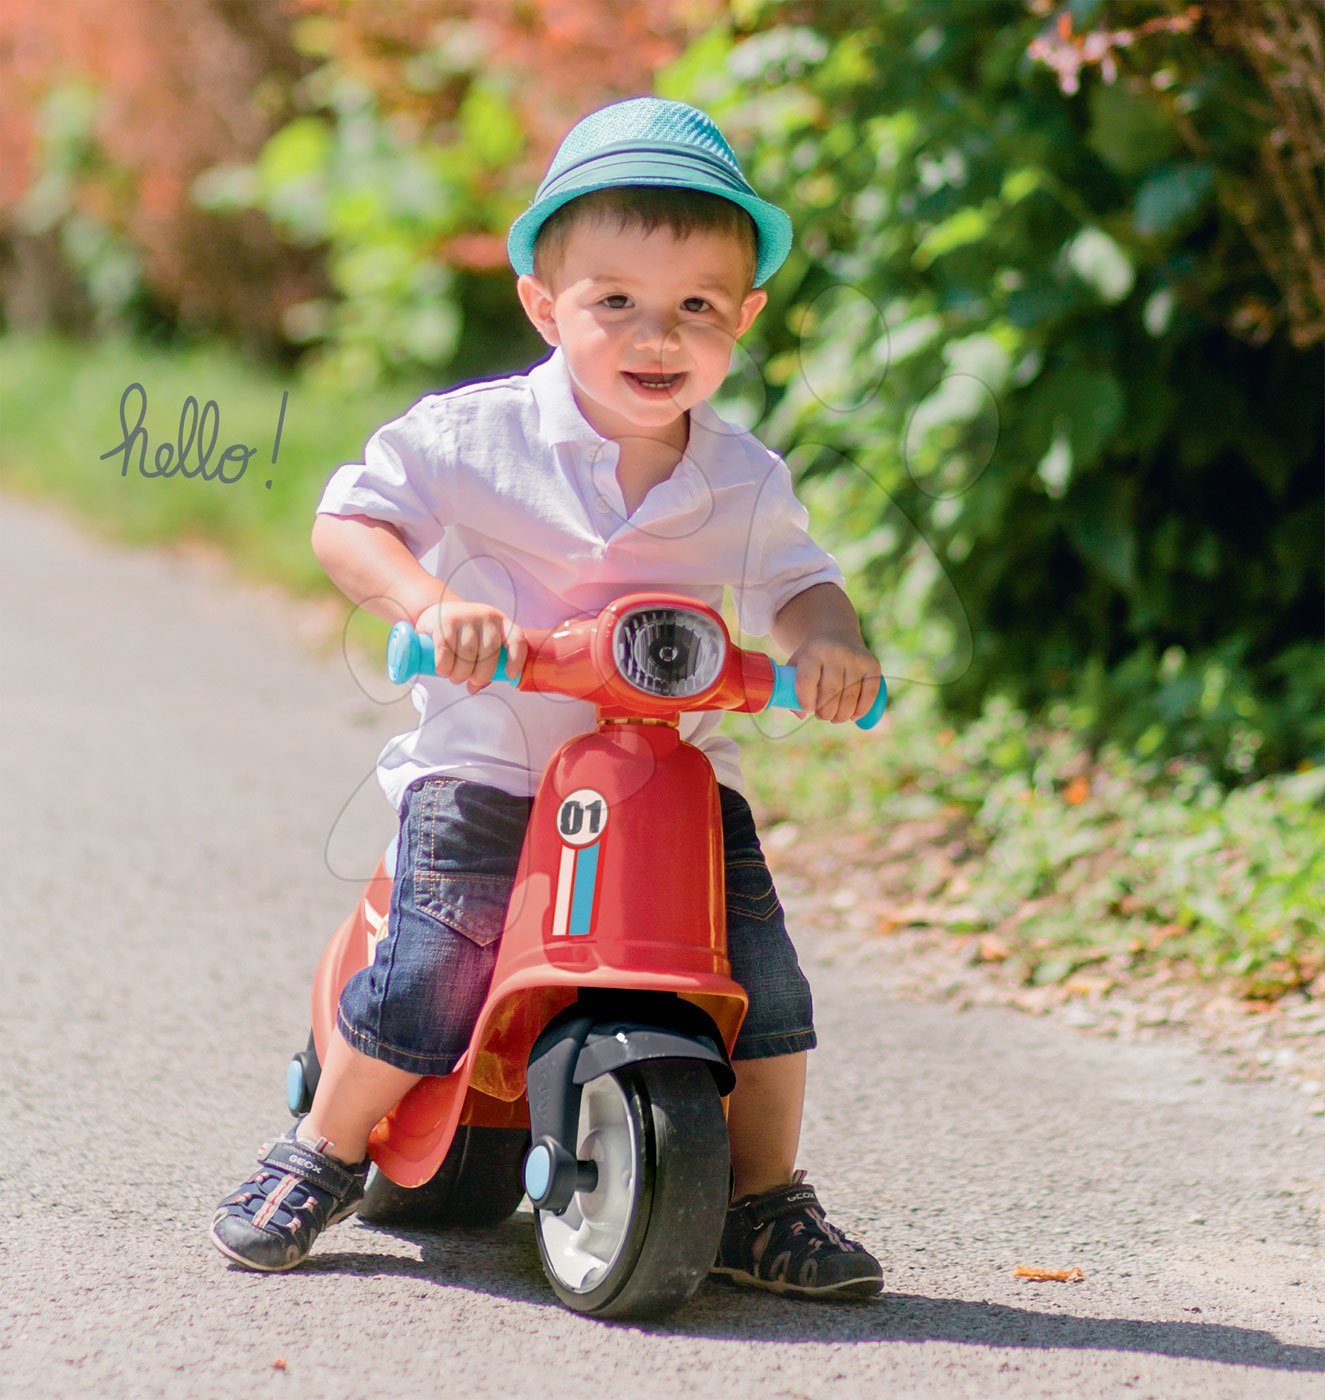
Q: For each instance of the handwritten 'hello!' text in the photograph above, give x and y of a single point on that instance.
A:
(172, 459)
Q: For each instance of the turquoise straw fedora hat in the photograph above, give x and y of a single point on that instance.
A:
(649, 141)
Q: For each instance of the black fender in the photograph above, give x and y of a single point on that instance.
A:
(612, 1045)
(603, 1032)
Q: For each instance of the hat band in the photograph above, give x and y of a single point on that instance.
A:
(669, 151)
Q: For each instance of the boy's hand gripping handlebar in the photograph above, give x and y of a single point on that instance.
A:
(651, 653)
(784, 696)
(410, 653)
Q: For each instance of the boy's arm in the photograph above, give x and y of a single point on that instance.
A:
(837, 676)
(371, 564)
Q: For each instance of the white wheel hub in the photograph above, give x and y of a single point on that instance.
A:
(582, 1243)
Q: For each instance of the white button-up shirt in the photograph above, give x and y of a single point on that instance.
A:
(504, 491)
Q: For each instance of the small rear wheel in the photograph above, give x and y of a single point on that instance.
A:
(301, 1076)
(641, 1242)
(478, 1183)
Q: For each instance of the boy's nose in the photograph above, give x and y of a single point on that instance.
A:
(656, 333)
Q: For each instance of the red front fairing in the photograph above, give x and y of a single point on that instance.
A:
(625, 894)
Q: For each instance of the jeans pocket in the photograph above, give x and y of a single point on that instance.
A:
(472, 905)
(750, 892)
(463, 846)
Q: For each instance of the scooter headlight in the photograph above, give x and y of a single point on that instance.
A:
(669, 652)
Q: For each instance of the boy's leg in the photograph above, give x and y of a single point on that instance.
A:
(416, 1004)
(776, 1236)
(354, 1091)
(764, 1122)
(315, 1174)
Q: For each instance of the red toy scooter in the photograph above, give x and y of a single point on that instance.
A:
(595, 1075)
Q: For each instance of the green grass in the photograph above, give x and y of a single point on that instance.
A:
(1066, 860)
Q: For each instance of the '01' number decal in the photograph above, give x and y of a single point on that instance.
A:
(582, 817)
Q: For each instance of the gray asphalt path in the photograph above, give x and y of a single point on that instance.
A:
(186, 805)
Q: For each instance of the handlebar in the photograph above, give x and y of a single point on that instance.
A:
(410, 653)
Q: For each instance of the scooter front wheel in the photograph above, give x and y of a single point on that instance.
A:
(641, 1242)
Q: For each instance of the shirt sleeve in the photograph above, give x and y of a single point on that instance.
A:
(782, 559)
(404, 479)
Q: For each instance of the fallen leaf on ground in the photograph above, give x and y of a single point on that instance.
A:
(1161, 935)
(1085, 984)
(1048, 1275)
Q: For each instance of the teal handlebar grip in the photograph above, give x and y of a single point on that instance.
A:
(784, 696)
(410, 654)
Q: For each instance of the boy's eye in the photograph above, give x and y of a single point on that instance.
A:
(618, 301)
(696, 304)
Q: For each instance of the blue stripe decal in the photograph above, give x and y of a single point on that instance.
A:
(581, 904)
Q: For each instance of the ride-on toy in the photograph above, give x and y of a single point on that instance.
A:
(594, 1078)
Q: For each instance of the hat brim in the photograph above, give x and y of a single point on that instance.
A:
(660, 170)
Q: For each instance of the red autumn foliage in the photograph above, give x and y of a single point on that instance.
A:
(561, 58)
(185, 84)
(564, 56)
(188, 84)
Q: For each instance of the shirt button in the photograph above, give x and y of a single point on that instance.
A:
(595, 454)
(603, 503)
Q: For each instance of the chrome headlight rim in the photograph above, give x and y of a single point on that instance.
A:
(703, 637)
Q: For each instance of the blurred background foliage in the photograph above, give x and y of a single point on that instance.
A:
(1046, 357)
(1040, 378)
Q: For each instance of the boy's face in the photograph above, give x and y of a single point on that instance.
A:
(647, 322)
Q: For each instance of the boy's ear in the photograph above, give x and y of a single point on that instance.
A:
(755, 301)
(538, 305)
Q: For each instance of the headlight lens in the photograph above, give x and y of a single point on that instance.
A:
(669, 652)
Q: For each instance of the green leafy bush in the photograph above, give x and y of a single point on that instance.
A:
(1025, 358)
(382, 202)
(1065, 861)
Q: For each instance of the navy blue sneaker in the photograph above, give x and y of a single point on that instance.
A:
(781, 1242)
(271, 1221)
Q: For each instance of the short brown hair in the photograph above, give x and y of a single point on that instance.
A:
(646, 207)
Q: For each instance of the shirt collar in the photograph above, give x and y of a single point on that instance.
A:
(559, 415)
(709, 432)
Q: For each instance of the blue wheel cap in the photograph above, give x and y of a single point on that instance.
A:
(294, 1087)
(537, 1172)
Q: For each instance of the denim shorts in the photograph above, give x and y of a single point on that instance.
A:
(415, 1005)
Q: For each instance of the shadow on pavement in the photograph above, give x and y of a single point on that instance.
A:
(904, 1317)
(501, 1260)
(504, 1262)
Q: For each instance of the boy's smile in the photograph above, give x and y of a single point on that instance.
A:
(647, 322)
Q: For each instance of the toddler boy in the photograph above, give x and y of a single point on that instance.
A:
(516, 503)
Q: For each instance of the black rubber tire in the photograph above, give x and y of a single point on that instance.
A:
(478, 1183)
(679, 1198)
